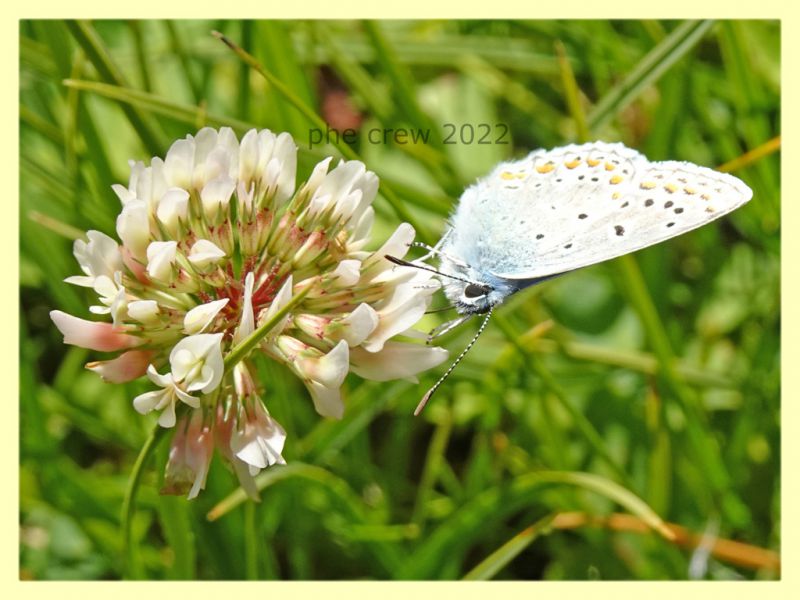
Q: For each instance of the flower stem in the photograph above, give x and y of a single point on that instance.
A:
(250, 541)
(252, 340)
(131, 568)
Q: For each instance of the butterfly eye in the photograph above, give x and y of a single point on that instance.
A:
(473, 290)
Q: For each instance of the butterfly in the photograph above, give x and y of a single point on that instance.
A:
(558, 210)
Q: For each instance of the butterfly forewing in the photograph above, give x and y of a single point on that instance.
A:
(559, 210)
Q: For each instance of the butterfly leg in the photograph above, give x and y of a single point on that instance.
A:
(448, 326)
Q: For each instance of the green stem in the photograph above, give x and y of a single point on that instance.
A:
(252, 340)
(131, 568)
(250, 541)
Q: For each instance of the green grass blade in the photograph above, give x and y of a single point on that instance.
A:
(674, 47)
(347, 501)
(131, 561)
(141, 55)
(179, 50)
(500, 558)
(98, 55)
(175, 517)
(454, 536)
(313, 118)
(581, 422)
(159, 105)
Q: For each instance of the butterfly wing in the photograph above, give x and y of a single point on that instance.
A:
(570, 207)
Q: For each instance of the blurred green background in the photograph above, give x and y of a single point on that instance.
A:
(654, 376)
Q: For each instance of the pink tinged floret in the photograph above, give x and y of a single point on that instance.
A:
(225, 423)
(103, 337)
(189, 456)
(258, 440)
(126, 367)
(137, 268)
(323, 376)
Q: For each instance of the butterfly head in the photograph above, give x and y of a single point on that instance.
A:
(471, 291)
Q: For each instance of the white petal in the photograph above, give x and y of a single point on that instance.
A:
(167, 417)
(341, 180)
(144, 403)
(123, 193)
(406, 306)
(81, 280)
(204, 253)
(248, 155)
(397, 360)
(398, 243)
(204, 143)
(348, 272)
(281, 299)
(318, 175)
(200, 317)
(362, 229)
(329, 369)
(144, 311)
(216, 194)
(158, 379)
(100, 256)
(173, 208)
(200, 350)
(285, 151)
(179, 163)
(261, 441)
(160, 256)
(133, 227)
(327, 401)
(359, 324)
(247, 325)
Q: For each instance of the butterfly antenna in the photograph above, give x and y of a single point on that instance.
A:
(405, 263)
(436, 385)
(440, 309)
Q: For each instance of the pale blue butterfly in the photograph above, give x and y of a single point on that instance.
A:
(558, 210)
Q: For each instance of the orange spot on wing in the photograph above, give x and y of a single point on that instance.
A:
(571, 164)
(592, 162)
(610, 166)
(690, 191)
(506, 175)
(647, 185)
(546, 168)
(671, 188)
(615, 180)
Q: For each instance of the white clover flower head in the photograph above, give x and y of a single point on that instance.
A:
(217, 240)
